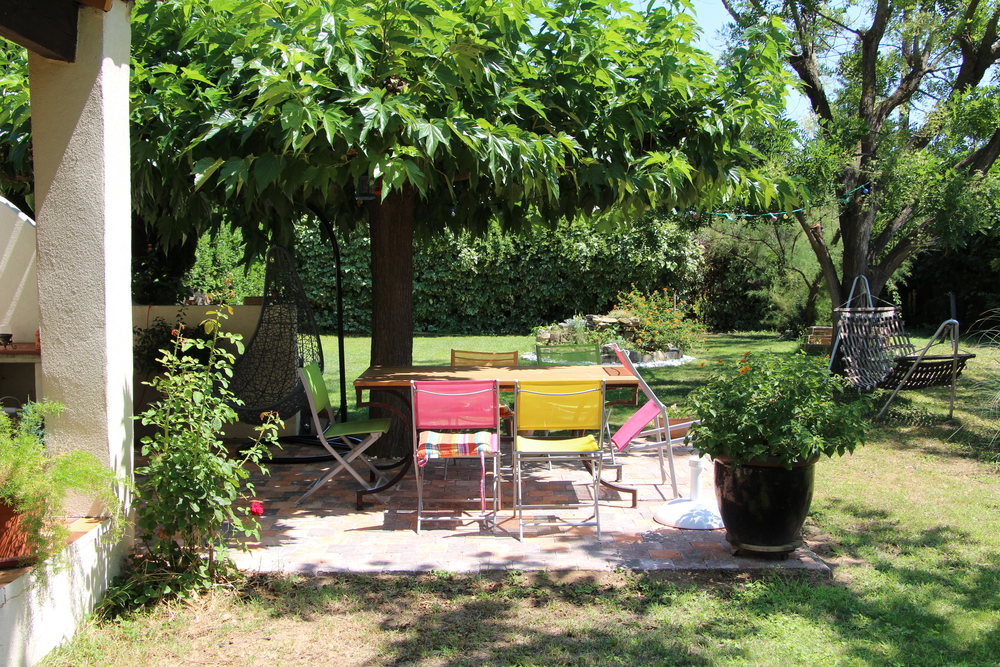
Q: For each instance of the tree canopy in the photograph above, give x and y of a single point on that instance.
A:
(907, 125)
(446, 112)
(531, 110)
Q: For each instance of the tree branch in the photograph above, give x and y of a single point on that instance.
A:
(983, 158)
(840, 25)
(879, 244)
(806, 65)
(814, 233)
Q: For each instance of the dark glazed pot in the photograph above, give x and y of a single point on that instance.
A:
(763, 506)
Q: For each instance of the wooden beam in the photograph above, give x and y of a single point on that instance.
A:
(47, 27)
(103, 5)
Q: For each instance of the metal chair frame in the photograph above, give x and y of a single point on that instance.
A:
(667, 431)
(558, 406)
(877, 353)
(338, 435)
(459, 422)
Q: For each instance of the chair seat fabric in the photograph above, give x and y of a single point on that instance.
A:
(435, 445)
(636, 424)
(587, 443)
(359, 427)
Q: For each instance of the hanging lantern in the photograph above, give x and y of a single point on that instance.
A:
(364, 192)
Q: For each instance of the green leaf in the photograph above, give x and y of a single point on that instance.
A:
(203, 170)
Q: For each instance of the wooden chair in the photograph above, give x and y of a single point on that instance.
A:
(466, 358)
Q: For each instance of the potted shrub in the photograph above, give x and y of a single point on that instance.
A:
(766, 421)
(34, 483)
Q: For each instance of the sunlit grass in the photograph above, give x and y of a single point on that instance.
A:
(908, 523)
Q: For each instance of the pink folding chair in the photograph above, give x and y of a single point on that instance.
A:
(455, 419)
(666, 431)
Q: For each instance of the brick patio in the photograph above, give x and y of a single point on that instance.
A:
(328, 534)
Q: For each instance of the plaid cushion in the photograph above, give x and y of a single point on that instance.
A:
(434, 445)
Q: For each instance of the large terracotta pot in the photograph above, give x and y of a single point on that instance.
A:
(763, 505)
(13, 539)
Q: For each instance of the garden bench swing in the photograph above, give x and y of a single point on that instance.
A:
(875, 351)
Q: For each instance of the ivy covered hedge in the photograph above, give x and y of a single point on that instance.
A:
(504, 284)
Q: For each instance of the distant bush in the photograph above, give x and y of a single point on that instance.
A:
(501, 283)
(217, 273)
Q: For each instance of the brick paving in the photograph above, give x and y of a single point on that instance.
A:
(328, 534)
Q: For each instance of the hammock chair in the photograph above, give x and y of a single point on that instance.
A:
(873, 351)
(286, 339)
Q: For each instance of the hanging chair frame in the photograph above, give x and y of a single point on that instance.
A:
(286, 338)
(877, 353)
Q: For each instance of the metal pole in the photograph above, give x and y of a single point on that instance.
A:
(328, 228)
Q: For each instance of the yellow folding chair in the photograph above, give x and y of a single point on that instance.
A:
(559, 406)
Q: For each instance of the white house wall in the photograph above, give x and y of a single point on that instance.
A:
(18, 280)
(79, 123)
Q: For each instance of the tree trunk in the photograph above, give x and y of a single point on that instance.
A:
(391, 228)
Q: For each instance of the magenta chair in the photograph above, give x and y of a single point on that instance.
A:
(666, 431)
(454, 419)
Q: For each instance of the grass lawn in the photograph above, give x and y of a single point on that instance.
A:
(909, 524)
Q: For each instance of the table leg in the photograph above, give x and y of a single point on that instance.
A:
(404, 464)
(616, 487)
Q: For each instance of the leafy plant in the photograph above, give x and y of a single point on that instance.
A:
(661, 322)
(219, 272)
(35, 481)
(148, 343)
(785, 408)
(192, 487)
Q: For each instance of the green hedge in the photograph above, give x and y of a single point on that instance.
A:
(504, 284)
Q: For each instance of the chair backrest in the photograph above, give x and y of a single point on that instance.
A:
(312, 380)
(627, 363)
(868, 338)
(556, 405)
(455, 404)
(466, 358)
(563, 355)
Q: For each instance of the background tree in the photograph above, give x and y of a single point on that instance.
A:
(907, 124)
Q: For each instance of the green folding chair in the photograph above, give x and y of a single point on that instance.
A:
(343, 436)
(567, 355)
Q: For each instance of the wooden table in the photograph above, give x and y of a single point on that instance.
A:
(396, 380)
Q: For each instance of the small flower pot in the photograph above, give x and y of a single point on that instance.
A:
(763, 505)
